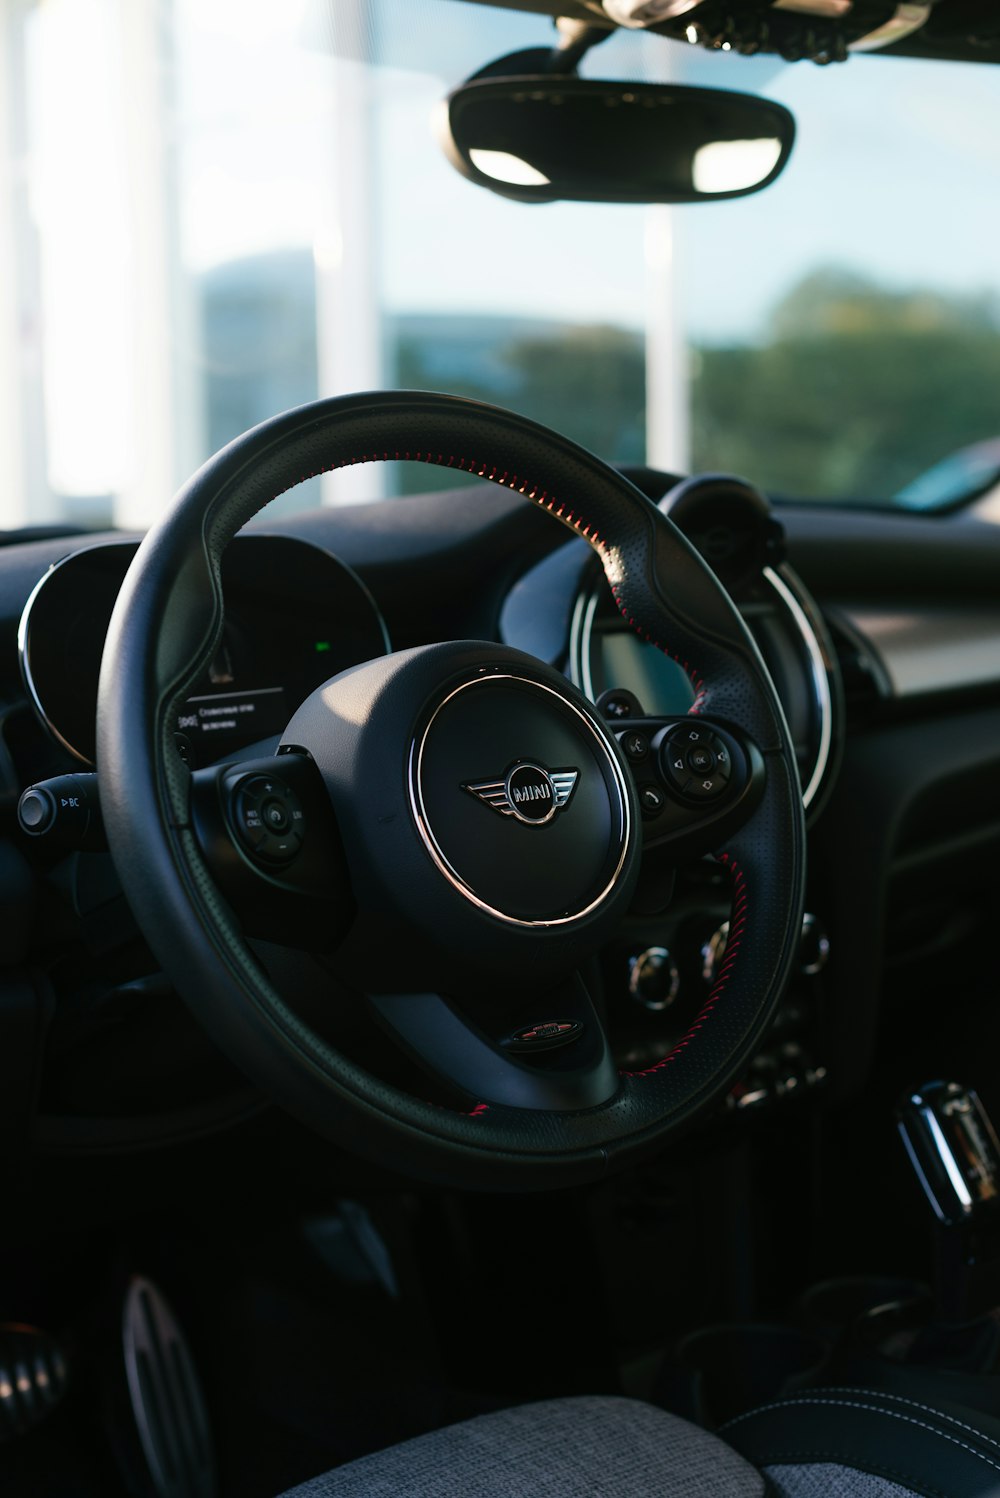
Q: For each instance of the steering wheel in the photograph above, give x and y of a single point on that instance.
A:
(455, 826)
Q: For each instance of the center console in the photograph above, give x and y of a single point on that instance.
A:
(936, 1344)
(660, 970)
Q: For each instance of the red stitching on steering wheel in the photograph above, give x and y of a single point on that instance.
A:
(698, 682)
(508, 480)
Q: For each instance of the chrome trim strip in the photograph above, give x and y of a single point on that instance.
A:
(908, 18)
(821, 683)
(419, 812)
(581, 630)
(24, 655)
(948, 1160)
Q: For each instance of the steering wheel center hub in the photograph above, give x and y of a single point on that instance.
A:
(519, 799)
(484, 810)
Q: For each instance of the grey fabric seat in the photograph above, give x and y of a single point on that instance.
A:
(828, 1443)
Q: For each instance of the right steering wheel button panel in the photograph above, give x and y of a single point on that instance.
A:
(696, 762)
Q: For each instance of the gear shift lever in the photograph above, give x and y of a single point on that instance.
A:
(954, 1151)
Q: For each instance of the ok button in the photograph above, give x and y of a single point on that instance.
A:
(701, 760)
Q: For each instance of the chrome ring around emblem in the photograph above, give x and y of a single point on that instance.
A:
(561, 791)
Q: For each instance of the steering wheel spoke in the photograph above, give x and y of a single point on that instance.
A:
(268, 835)
(547, 1051)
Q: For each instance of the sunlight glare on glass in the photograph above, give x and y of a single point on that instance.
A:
(254, 180)
(259, 20)
(79, 191)
(729, 165)
(503, 166)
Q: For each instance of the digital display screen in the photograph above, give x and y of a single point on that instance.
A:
(294, 617)
(214, 724)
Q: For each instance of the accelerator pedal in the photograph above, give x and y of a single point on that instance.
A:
(34, 1375)
(164, 1391)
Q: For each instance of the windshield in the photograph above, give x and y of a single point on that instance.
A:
(217, 209)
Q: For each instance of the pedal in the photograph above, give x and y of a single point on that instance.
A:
(166, 1399)
(34, 1376)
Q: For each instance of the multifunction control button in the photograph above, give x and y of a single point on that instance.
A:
(616, 704)
(701, 761)
(696, 761)
(268, 818)
(634, 743)
(651, 800)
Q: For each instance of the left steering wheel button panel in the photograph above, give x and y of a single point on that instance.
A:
(268, 818)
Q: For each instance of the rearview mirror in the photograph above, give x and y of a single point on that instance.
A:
(539, 138)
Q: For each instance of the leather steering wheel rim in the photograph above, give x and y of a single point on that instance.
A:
(163, 632)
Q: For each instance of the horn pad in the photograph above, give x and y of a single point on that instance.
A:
(487, 815)
(519, 799)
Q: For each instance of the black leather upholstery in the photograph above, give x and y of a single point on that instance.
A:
(940, 1451)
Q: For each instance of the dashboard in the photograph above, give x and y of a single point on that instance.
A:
(882, 634)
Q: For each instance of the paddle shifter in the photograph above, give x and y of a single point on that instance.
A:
(954, 1151)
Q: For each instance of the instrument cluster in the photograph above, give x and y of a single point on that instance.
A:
(294, 617)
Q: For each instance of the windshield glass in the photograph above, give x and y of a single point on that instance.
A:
(217, 209)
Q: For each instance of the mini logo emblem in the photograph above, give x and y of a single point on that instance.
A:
(527, 792)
